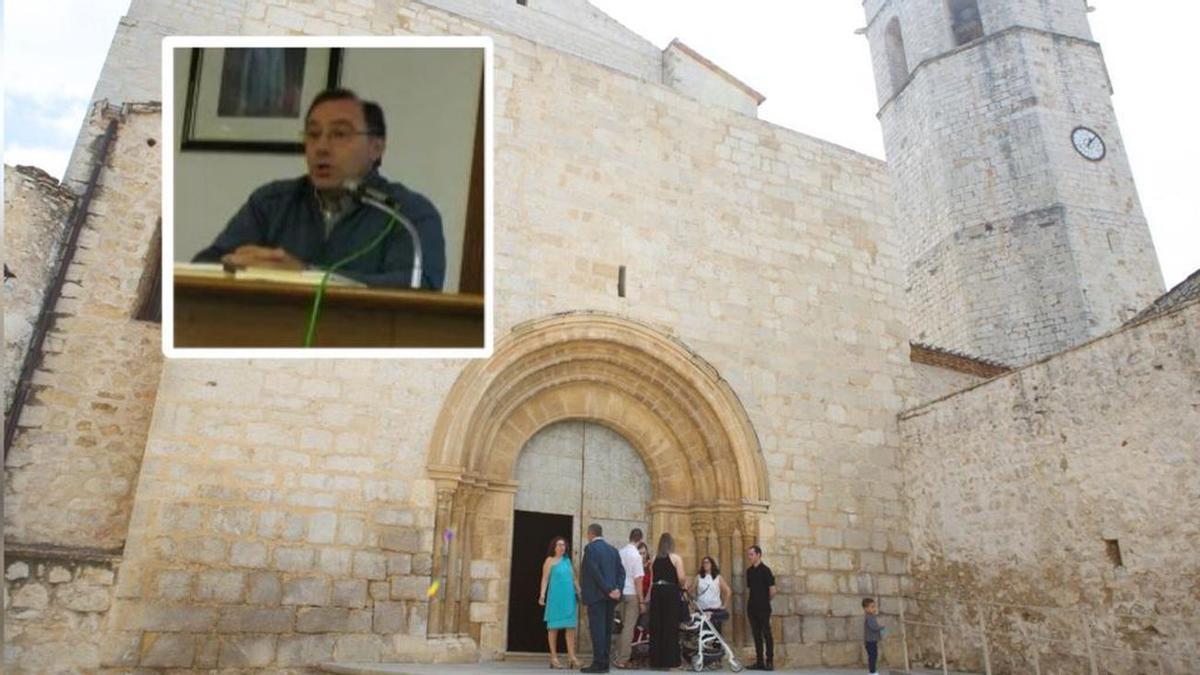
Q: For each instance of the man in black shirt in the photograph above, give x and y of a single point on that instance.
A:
(761, 585)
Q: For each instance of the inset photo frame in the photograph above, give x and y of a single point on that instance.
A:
(298, 224)
(252, 99)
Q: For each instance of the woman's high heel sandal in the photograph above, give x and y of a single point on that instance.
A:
(555, 665)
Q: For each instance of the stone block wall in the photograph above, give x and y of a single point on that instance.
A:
(293, 532)
(36, 211)
(572, 26)
(693, 75)
(71, 473)
(1059, 501)
(927, 32)
(55, 604)
(930, 383)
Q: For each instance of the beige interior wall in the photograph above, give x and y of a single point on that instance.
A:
(430, 100)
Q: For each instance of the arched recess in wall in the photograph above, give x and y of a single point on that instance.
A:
(965, 22)
(897, 61)
(706, 468)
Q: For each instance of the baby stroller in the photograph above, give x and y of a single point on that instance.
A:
(701, 644)
(640, 647)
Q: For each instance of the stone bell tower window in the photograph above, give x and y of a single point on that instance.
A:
(897, 62)
(965, 23)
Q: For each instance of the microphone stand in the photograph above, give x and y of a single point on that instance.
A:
(387, 206)
(377, 200)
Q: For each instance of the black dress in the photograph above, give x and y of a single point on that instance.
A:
(664, 615)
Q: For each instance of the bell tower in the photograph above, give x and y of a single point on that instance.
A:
(1022, 230)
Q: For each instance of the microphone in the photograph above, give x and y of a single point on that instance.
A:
(359, 190)
(382, 201)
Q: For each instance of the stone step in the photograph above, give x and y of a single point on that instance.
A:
(924, 671)
(537, 666)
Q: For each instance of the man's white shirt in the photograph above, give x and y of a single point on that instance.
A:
(631, 560)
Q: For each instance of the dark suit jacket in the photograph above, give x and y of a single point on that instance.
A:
(602, 572)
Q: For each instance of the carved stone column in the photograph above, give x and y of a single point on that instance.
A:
(441, 551)
(726, 525)
(473, 495)
(455, 570)
(702, 524)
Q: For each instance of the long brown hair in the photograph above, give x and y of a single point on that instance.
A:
(715, 571)
(554, 542)
(666, 545)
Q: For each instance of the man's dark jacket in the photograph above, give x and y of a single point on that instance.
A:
(286, 214)
(602, 572)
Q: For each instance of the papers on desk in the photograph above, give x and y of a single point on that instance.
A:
(305, 277)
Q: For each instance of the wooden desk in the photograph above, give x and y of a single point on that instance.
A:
(220, 311)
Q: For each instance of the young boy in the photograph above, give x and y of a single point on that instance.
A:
(872, 633)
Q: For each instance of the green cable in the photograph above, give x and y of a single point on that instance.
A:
(316, 308)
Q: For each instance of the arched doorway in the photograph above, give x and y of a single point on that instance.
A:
(702, 457)
(570, 474)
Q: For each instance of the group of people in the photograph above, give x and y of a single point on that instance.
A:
(630, 584)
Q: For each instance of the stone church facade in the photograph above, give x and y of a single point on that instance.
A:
(755, 384)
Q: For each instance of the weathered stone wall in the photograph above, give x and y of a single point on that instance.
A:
(55, 604)
(1017, 247)
(694, 76)
(290, 487)
(72, 467)
(572, 26)
(926, 27)
(930, 383)
(71, 472)
(36, 210)
(1022, 491)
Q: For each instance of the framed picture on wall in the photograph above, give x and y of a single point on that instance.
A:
(253, 99)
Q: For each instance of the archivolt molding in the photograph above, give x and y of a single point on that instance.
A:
(668, 402)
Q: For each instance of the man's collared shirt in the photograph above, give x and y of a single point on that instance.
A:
(631, 560)
(759, 581)
(287, 214)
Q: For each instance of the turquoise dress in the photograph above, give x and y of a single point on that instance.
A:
(560, 596)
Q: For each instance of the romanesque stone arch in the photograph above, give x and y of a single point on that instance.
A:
(689, 428)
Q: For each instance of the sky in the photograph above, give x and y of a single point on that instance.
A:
(802, 55)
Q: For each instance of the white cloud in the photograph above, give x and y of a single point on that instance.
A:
(55, 48)
(51, 160)
(69, 117)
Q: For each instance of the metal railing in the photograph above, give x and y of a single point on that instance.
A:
(1091, 646)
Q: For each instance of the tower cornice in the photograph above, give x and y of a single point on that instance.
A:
(981, 42)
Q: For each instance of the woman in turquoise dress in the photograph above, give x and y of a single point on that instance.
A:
(560, 589)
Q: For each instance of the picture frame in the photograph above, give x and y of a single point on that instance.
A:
(253, 99)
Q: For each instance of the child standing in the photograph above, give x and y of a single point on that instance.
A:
(872, 633)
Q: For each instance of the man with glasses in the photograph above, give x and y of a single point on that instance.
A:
(313, 221)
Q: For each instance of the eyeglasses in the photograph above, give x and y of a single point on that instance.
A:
(335, 136)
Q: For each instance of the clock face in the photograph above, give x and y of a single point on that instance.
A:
(1088, 143)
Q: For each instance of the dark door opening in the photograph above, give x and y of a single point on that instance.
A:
(532, 533)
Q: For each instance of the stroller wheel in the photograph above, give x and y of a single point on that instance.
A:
(735, 665)
(698, 663)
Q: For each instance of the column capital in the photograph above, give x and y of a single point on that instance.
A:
(749, 525)
(726, 524)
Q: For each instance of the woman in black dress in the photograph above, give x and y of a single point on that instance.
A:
(664, 605)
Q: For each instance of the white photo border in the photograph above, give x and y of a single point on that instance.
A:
(169, 45)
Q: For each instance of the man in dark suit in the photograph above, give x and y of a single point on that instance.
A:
(601, 581)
